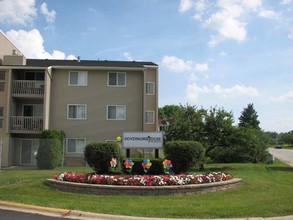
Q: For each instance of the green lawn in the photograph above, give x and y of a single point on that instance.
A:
(266, 191)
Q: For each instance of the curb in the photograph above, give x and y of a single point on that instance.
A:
(76, 214)
(57, 211)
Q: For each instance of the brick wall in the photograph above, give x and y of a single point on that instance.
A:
(96, 189)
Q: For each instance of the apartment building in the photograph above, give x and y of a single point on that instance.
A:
(90, 100)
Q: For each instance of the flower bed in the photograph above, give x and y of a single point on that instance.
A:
(143, 180)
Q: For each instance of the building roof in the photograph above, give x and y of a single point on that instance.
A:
(100, 63)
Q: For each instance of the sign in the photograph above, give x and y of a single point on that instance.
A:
(142, 140)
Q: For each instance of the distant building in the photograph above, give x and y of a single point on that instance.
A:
(89, 100)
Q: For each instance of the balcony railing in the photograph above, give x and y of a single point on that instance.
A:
(28, 88)
(24, 124)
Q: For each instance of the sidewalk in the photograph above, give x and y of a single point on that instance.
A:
(74, 214)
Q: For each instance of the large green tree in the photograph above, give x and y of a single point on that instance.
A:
(218, 128)
(186, 124)
(212, 128)
(169, 111)
(249, 117)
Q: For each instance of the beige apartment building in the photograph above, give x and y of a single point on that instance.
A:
(90, 100)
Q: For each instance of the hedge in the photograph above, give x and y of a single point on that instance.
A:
(99, 154)
(184, 154)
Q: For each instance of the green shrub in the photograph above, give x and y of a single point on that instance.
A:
(51, 149)
(184, 154)
(99, 154)
(247, 145)
(156, 168)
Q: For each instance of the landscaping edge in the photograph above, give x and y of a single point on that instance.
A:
(97, 189)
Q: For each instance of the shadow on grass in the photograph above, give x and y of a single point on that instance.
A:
(283, 169)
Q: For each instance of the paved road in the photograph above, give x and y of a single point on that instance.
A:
(17, 215)
(283, 154)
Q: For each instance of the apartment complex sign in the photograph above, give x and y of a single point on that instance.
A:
(143, 140)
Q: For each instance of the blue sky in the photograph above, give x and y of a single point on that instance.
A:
(224, 53)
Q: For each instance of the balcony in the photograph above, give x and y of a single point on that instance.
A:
(27, 88)
(26, 125)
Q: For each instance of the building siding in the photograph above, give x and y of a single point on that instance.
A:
(96, 95)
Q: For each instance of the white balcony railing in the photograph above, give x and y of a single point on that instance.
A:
(27, 88)
(24, 124)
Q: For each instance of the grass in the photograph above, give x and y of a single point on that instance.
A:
(266, 191)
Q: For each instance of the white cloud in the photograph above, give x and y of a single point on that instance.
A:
(290, 35)
(235, 91)
(31, 44)
(252, 4)
(201, 67)
(227, 26)
(176, 64)
(127, 56)
(49, 15)
(193, 91)
(285, 2)
(17, 11)
(268, 14)
(227, 18)
(200, 7)
(223, 53)
(284, 97)
(185, 5)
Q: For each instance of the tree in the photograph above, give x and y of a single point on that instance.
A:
(218, 128)
(51, 148)
(186, 124)
(212, 128)
(249, 117)
(287, 138)
(168, 111)
(246, 145)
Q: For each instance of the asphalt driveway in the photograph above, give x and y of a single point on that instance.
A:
(283, 154)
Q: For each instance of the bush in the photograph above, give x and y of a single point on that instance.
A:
(156, 168)
(248, 145)
(51, 149)
(99, 154)
(184, 154)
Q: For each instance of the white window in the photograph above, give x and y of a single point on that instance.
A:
(116, 112)
(149, 117)
(75, 145)
(150, 88)
(77, 78)
(76, 111)
(117, 79)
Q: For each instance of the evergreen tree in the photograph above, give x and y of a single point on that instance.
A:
(248, 118)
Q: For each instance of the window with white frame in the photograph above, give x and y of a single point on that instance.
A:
(149, 117)
(77, 78)
(116, 112)
(76, 111)
(117, 79)
(75, 145)
(150, 88)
